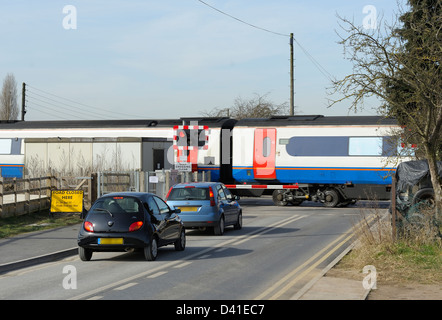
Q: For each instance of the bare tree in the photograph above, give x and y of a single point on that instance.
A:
(257, 107)
(400, 64)
(8, 99)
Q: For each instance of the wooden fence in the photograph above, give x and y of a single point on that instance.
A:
(28, 195)
(22, 196)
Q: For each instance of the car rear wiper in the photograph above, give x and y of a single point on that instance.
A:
(104, 210)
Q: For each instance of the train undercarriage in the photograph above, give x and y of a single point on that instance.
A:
(330, 195)
(327, 194)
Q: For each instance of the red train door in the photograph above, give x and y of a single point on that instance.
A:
(264, 153)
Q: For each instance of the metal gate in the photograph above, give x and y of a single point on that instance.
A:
(157, 182)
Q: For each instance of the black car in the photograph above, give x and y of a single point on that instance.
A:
(414, 190)
(130, 220)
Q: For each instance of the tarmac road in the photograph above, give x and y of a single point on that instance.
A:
(280, 253)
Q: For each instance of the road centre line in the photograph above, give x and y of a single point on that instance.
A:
(127, 285)
(156, 274)
(265, 231)
(348, 235)
(183, 264)
(122, 281)
(171, 264)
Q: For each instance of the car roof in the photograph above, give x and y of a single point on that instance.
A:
(128, 193)
(196, 184)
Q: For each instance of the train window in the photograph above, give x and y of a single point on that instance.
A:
(365, 146)
(389, 147)
(5, 146)
(266, 146)
(317, 146)
(342, 146)
(394, 147)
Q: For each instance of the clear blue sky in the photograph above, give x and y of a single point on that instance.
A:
(174, 58)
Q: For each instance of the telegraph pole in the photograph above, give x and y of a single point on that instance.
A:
(23, 102)
(292, 79)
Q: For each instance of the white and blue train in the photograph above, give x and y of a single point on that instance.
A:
(335, 160)
(12, 158)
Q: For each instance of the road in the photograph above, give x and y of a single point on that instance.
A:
(278, 250)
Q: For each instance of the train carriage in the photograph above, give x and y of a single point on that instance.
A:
(335, 160)
(84, 144)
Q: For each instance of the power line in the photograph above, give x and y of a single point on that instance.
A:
(52, 112)
(77, 105)
(321, 69)
(318, 66)
(242, 21)
(58, 103)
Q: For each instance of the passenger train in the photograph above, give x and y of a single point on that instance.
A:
(335, 160)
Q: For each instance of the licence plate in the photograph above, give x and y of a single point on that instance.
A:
(187, 209)
(110, 240)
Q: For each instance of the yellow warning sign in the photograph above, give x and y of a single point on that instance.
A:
(67, 201)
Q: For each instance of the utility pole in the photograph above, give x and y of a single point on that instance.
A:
(292, 79)
(23, 102)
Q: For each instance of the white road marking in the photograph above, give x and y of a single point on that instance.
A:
(127, 285)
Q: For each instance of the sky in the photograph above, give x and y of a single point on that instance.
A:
(151, 59)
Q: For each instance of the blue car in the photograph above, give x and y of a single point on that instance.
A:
(206, 205)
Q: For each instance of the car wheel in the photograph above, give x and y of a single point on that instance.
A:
(180, 244)
(151, 251)
(238, 224)
(424, 198)
(219, 229)
(85, 254)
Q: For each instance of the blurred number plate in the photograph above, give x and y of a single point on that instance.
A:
(110, 240)
(183, 209)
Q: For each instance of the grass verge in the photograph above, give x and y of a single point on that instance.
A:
(414, 256)
(12, 226)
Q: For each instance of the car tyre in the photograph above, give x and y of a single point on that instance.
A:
(219, 229)
(85, 254)
(180, 244)
(426, 196)
(238, 224)
(151, 251)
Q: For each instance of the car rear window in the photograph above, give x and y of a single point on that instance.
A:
(189, 194)
(118, 205)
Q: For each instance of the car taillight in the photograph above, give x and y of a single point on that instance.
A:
(212, 197)
(135, 226)
(88, 226)
(167, 196)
